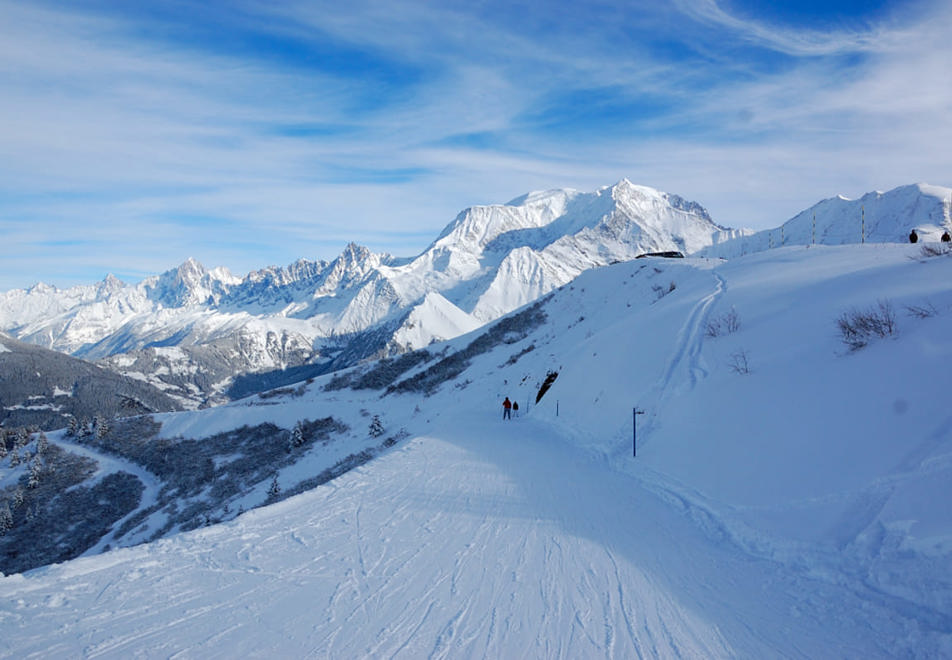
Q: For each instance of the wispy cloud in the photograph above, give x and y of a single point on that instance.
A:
(133, 136)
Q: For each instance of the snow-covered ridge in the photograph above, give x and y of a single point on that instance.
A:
(876, 217)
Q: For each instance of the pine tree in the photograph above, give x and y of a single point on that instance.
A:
(72, 428)
(6, 518)
(274, 489)
(376, 427)
(36, 469)
(42, 443)
(14, 457)
(100, 427)
(297, 435)
(3, 445)
(17, 498)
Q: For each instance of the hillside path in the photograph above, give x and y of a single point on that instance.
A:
(484, 539)
(109, 464)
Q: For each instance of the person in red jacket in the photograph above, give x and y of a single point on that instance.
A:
(507, 409)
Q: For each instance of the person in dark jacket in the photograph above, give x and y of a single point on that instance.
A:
(913, 236)
(507, 409)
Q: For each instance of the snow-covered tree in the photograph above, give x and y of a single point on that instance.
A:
(15, 457)
(274, 489)
(42, 443)
(297, 435)
(72, 428)
(100, 427)
(376, 427)
(18, 498)
(6, 518)
(36, 469)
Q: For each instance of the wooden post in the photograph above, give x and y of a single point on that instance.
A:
(634, 430)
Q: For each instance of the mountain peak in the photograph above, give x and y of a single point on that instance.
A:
(353, 253)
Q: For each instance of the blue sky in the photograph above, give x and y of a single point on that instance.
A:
(251, 133)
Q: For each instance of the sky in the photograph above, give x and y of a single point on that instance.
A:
(249, 133)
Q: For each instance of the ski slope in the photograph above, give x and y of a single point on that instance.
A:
(795, 510)
(483, 539)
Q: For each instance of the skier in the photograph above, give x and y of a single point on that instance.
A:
(515, 408)
(913, 236)
(507, 409)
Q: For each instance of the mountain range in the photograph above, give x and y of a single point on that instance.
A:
(204, 335)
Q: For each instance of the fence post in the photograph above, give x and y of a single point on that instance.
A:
(634, 430)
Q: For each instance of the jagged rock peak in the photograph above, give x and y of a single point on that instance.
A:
(354, 253)
(189, 284)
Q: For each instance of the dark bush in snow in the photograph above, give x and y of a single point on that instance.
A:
(858, 326)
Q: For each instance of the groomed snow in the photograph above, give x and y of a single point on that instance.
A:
(482, 539)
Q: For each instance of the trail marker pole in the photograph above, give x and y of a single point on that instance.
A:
(634, 430)
(862, 210)
(814, 227)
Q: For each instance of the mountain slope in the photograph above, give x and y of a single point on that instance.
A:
(792, 504)
(487, 262)
(46, 389)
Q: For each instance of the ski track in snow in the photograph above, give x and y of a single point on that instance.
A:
(109, 464)
(685, 367)
(475, 542)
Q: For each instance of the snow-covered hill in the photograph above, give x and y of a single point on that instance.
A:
(875, 217)
(788, 499)
(487, 262)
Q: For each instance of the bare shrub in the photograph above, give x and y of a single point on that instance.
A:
(732, 321)
(924, 311)
(661, 291)
(727, 323)
(930, 250)
(857, 327)
(739, 362)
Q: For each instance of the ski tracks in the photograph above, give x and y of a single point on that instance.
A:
(685, 367)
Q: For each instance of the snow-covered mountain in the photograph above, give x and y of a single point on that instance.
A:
(876, 217)
(789, 497)
(487, 262)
